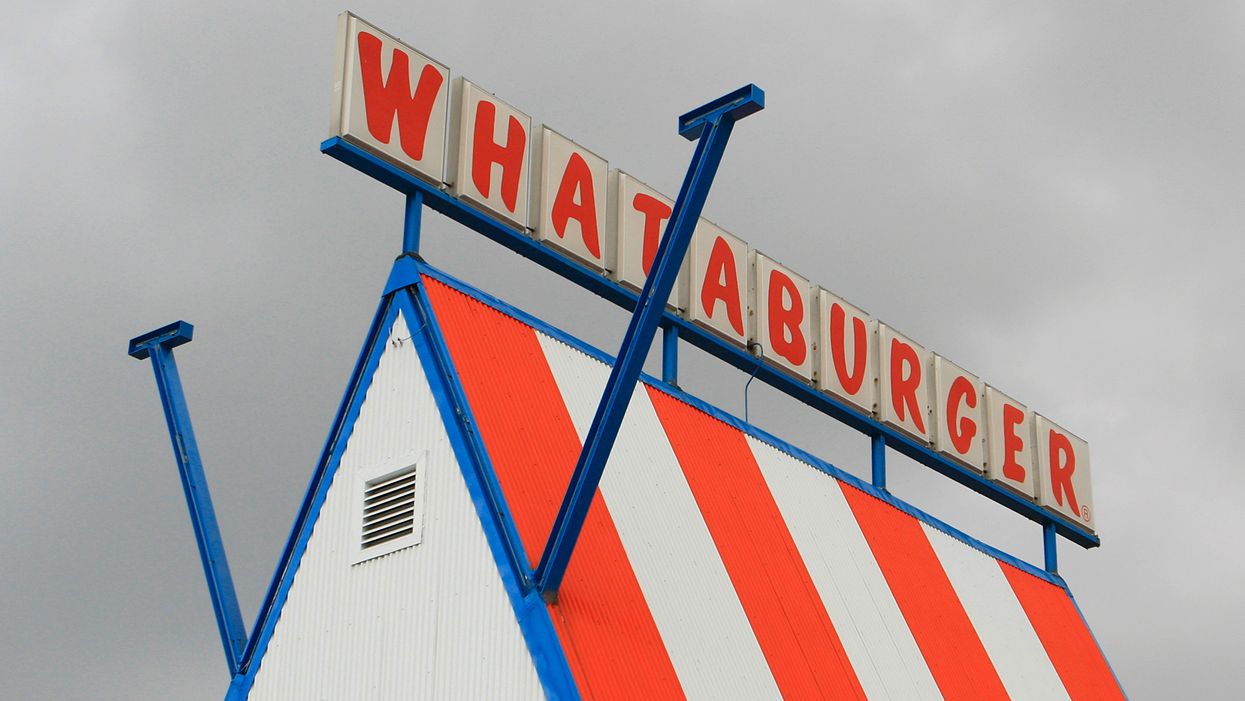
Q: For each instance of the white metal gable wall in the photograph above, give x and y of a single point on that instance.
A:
(429, 621)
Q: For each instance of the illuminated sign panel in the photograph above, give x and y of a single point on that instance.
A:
(1009, 443)
(390, 98)
(782, 304)
(846, 357)
(1063, 469)
(719, 282)
(638, 216)
(959, 431)
(398, 104)
(491, 156)
(570, 201)
(903, 383)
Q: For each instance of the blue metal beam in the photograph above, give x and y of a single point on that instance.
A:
(712, 124)
(877, 450)
(732, 106)
(1049, 543)
(158, 345)
(591, 280)
(411, 226)
(670, 355)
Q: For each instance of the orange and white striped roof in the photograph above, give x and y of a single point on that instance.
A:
(715, 563)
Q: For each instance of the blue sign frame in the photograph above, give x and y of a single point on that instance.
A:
(516, 240)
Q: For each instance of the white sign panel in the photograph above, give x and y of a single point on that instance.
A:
(959, 431)
(719, 282)
(1063, 466)
(390, 99)
(491, 156)
(639, 215)
(571, 198)
(846, 365)
(782, 304)
(903, 383)
(1009, 443)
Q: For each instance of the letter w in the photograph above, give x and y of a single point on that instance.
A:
(385, 97)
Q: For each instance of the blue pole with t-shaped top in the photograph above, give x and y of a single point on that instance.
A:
(159, 345)
(710, 126)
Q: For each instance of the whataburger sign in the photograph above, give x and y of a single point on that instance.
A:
(401, 105)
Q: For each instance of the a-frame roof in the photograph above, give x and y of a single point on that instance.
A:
(716, 561)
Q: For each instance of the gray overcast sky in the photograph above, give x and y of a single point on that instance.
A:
(1047, 193)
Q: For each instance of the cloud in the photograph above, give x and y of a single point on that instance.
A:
(1047, 195)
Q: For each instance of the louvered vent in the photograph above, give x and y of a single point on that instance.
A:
(388, 509)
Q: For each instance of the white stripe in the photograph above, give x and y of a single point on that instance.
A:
(1001, 623)
(690, 595)
(871, 627)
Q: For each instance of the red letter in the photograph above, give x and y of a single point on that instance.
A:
(576, 200)
(1012, 443)
(655, 212)
(784, 322)
(838, 350)
(903, 389)
(963, 430)
(383, 98)
(722, 283)
(486, 152)
(1061, 470)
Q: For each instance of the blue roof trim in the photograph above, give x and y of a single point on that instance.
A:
(309, 511)
(548, 655)
(1097, 645)
(747, 428)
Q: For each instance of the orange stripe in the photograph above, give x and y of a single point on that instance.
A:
(778, 596)
(951, 647)
(601, 616)
(1067, 639)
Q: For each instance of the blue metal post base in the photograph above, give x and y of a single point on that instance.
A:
(878, 454)
(670, 355)
(411, 225)
(1049, 542)
(159, 345)
(711, 127)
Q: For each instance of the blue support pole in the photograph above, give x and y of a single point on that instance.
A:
(670, 355)
(411, 226)
(1049, 542)
(158, 345)
(878, 453)
(710, 126)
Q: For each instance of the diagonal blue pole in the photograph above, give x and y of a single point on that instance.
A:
(710, 126)
(158, 345)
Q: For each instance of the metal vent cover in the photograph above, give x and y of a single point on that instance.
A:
(388, 509)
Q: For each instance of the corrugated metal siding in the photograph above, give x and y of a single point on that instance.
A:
(614, 647)
(1065, 637)
(956, 656)
(996, 614)
(687, 588)
(877, 638)
(788, 554)
(791, 623)
(430, 621)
